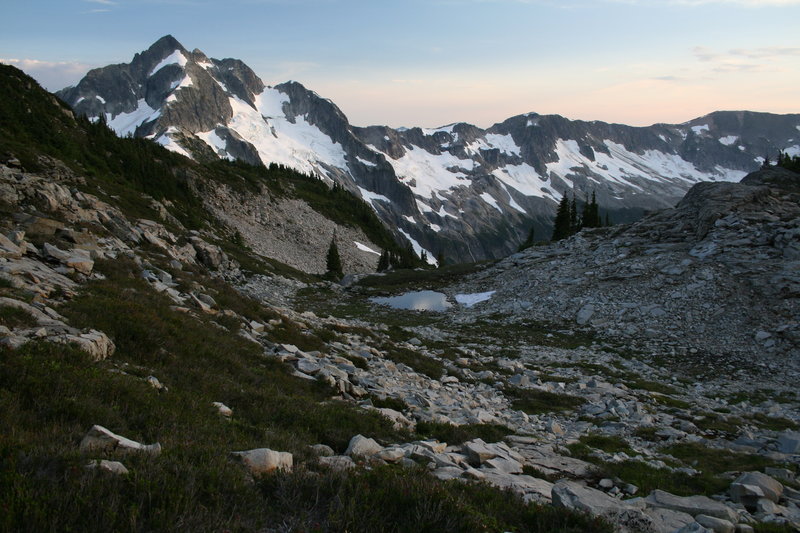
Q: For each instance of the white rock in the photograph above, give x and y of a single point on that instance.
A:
(100, 439)
(113, 467)
(223, 409)
(263, 460)
(361, 446)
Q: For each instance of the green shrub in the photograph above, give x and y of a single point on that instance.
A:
(452, 434)
(534, 401)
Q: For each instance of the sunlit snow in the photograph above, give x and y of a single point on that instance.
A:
(729, 140)
(365, 162)
(102, 100)
(365, 248)
(370, 197)
(489, 199)
(429, 172)
(524, 179)
(621, 164)
(511, 202)
(175, 57)
(126, 123)
(468, 300)
(504, 143)
(298, 145)
(167, 142)
(700, 129)
(216, 143)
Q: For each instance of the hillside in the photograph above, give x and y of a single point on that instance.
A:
(460, 190)
(158, 374)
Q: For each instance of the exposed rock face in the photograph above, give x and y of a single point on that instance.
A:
(461, 190)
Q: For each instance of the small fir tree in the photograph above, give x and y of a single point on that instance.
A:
(334, 262)
(528, 242)
(561, 224)
(384, 262)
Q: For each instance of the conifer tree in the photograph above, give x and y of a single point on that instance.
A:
(334, 262)
(528, 241)
(383, 262)
(573, 216)
(440, 260)
(561, 224)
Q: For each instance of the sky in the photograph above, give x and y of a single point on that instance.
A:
(434, 62)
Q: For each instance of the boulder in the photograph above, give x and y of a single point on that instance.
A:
(100, 439)
(322, 450)
(789, 442)
(223, 409)
(627, 517)
(692, 505)
(694, 527)
(391, 455)
(262, 461)
(753, 485)
(337, 462)
(112, 467)
(361, 446)
(668, 521)
(8, 249)
(717, 525)
(585, 314)
(95, 343)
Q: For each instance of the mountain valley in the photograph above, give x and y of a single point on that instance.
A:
(639, 377)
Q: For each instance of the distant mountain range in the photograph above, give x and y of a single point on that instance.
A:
(460, 190)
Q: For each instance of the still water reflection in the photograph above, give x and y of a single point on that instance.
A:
(416, 301)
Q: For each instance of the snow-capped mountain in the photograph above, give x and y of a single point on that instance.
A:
(467, 192)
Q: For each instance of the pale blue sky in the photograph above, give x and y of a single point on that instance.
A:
(428, 63)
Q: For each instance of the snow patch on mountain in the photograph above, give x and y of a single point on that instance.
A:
(728, 140)
(524, 179)
(511, 202)
(175, 57)
(426, 173)
(126, 123)
(419, 249)
(792, 151)
(365, 248)
(504, 143)
(216, 143)
(167, 142)
(299, 145)
(370, 197)
(700, 129)
(489, 199)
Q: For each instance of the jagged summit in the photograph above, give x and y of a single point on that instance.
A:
(463, 191)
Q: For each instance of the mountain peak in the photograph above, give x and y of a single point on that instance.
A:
(167, 43)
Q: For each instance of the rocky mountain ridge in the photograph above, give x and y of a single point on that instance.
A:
(466, 192)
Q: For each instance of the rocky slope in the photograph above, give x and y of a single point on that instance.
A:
(717, 275)
(461, 190)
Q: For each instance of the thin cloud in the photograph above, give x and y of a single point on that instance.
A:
(103, 2)
(52, 75)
